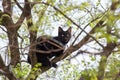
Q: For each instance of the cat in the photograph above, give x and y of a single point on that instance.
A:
(50, 45)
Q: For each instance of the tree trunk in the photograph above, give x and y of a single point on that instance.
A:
(14, 46)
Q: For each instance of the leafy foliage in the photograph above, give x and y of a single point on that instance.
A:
(21, 71)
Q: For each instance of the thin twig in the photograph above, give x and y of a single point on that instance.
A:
(18, 4)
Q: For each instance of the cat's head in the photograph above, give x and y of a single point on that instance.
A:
(64, 36)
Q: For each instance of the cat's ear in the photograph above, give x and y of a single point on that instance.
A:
(69, 30)
(60, 29)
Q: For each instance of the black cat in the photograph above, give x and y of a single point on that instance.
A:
(50, 45)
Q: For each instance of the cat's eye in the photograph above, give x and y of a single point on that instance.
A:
(68, 35)
(62, 35)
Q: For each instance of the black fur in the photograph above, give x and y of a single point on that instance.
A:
(49, 44)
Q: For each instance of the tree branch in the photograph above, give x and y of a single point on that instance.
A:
(18, 5)
(32, 32)
(102, 65)
(5, 70)
(7, 7)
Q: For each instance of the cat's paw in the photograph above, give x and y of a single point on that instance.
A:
(54, 65)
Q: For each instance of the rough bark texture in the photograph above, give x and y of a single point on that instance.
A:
(33, 34)
(11, 32)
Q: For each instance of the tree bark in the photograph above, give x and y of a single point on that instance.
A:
(32, 32)
(11, 32)
(105, 54)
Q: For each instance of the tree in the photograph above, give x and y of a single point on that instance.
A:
(104, 32)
